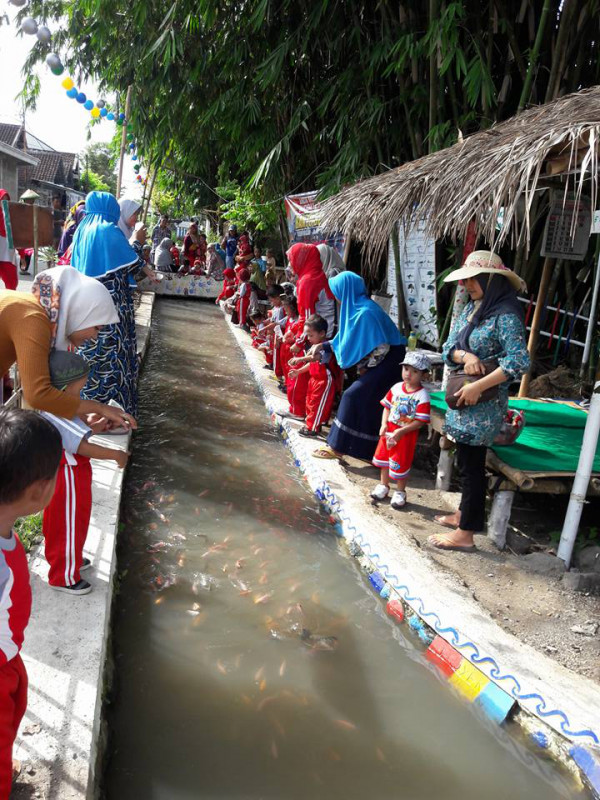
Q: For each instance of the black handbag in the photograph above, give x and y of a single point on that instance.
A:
(459, 378)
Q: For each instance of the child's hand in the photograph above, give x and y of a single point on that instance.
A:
(295, 349)
(122, 457)
(293, 373)
(97, 423)
(383, 429)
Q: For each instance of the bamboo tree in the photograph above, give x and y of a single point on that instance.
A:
(533, 59)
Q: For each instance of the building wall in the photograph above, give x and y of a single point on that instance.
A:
(8, 176)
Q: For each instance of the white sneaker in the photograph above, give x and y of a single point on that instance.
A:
(398, 500)
(380, 492)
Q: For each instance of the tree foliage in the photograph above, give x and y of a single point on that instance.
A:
(291, 94)
(99, 159)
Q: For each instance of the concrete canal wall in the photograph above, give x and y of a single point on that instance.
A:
(489, 667)
(66, 644)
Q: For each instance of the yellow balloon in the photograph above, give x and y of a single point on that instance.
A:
(95, 112)
(67, 83)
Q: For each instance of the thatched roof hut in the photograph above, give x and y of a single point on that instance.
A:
(499, 168)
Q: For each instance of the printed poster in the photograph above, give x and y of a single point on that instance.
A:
(567, 230)
(417, 269)
(304, 218)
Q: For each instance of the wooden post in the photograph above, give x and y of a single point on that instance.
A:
(150, 190)
(403, 321)
(35, 239)
(123, 142)
(500, 517)
(534, 334)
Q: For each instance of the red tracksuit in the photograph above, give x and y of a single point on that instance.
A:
(15, 608)
(243, 302)
(67, 519)
(325, 381)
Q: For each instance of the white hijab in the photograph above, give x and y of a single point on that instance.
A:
(73, 302)
(128, 209)
(331, 260)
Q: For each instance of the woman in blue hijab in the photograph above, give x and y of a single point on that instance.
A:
(368, 340)
(101, 251)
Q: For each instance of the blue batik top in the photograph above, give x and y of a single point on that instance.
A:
(501, 338)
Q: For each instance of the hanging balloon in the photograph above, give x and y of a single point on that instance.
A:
(121, 116)
(67, 83)
(53, 60)
(137, 167)
(43, 34)
(17, 3)
(81, 98)
(57, 70)
(103, 111)
(130, 135)
(110, 116)
(95, 112)
(88, 105)
(132, 146)
(119, 122)
(100, 103)
(29, 26)
(134, 158)
(72, 93)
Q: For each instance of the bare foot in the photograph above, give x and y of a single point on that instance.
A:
(449, 520)
(457, 540)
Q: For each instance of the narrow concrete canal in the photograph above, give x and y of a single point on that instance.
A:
(252, 660)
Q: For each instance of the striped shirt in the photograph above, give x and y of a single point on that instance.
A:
(15, 597)
(72, 432)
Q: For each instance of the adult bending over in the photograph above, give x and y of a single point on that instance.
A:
(101, 251)
(368, 340)
(66, 309)
(490, 328)
(312, 287)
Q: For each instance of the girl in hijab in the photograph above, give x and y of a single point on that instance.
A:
(65, 310)
(312, 287)
(490, 328)
(191, 245)
(101, 251)
(76, 214)
(130, 210)
(331, 260)
(215, 262)
(163, 257)
(368, 340)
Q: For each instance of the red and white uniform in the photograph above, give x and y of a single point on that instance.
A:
(278, 316)
(325, 381)
(243, 301)
(405, 407)
(293, 329)
(67, 517)
(15, 608)
(8, 269)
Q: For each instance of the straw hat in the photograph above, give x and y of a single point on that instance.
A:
(483, 261)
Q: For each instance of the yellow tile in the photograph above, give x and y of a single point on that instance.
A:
(468, 680)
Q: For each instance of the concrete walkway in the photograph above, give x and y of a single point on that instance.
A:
(567, 702)
(65, 645)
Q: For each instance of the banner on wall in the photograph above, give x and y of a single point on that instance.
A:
(303, 214)
(417, 269)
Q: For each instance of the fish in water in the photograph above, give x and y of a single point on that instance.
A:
(345, 724)
(316, 642)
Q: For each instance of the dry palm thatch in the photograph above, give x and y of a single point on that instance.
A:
(501, 167)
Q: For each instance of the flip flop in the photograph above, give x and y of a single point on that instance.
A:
(457, 548)
(327, 453)
(440, 520)
(304, 431)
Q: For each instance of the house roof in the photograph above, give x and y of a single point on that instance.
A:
(50, 167)
(18, 155)
(498, 168)
(9, 133)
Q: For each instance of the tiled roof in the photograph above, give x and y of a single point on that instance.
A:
(8, 133)
(50, 167)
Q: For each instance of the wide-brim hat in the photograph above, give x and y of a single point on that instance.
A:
(484, 262)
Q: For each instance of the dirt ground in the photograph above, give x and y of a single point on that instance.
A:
(534, 607)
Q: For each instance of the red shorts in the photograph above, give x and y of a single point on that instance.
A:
(399, 459)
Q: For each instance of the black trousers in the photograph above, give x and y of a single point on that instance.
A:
(471, 464)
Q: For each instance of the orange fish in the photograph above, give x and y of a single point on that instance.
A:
(239, 563)
(263, 598)
(263, 579)
(203, 493)
(380, 755)
(282, 669)
(262, 685)
(222, 668)
(345, 724)
(259, 674)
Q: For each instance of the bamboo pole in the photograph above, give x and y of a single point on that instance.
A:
(533, 59)
(591, 324)
(534, 334)
(123, 142)
(433, 77)
(150, 190)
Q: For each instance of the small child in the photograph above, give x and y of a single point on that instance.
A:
(274, 329)
(67, 517)
(406, 409)
(30, 453)
(271, 271)
(324, 378)
(290, 334)
(229, 283)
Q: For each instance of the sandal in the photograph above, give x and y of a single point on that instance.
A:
(441, 519)
(304, 431)
(327, 453)
(444, 543)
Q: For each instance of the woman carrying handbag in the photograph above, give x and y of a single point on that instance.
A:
(486, 350)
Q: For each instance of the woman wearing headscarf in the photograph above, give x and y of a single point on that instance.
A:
(312, 287)
(65, 310)
(76, 214)
(331, 260)
(490, 329)
(163, 255)
(101, 251)
(368, 340)
(215, 262)
(130, 210)
(191, 245)
(137, 240)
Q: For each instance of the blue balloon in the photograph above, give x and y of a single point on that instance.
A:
(132, 146)
(121, 115)
(72, 93)
(110, 116)
(103, 112)
(88, 105)
(134, 158)
(81, 98)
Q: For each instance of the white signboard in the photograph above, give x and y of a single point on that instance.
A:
(567, 230)
(596, 222)
(417, 268)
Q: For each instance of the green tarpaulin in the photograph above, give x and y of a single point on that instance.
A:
(551, 440)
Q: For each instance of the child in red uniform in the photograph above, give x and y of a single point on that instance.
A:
(274, 329)
(243, 293)
(290, 334)
(229, 283)
(406, 409)
(30, 452)
(325, 378)
(67, 517)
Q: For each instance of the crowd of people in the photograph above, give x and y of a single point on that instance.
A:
(329, 347)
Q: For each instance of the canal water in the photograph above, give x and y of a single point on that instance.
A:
(252, 660)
